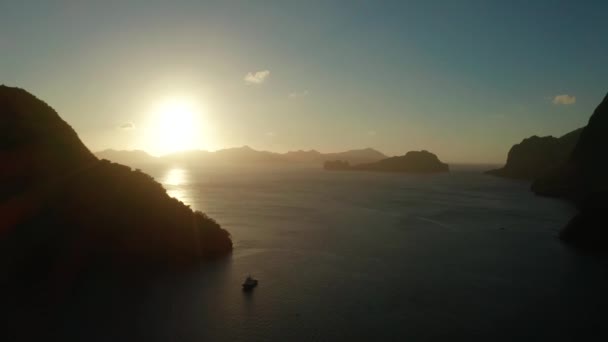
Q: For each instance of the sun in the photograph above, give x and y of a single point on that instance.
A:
(176, 125)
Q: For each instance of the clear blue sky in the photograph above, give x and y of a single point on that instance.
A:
(464, 79)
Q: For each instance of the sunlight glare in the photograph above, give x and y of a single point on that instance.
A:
(175, 177)
(173, 182)
(176, 126)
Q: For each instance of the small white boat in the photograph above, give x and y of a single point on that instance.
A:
(249, 283)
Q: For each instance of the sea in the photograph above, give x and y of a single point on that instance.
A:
(364, 256)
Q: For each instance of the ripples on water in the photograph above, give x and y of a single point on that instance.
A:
(373, 256)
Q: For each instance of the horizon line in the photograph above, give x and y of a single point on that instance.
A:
(289, 151)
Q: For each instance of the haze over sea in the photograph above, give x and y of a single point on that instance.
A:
(364, 256)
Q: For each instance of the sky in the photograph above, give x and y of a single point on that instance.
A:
(463, 79)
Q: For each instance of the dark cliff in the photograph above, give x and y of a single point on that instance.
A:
(582, 178)
(64, 211)
(537, 156)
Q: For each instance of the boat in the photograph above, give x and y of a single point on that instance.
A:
(249, 283)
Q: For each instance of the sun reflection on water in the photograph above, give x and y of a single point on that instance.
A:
(174, 181)
(175, 177)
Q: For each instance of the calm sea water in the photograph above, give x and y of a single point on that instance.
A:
(366, 256)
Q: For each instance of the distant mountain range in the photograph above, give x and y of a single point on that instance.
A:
(243, 154)
(134, 156)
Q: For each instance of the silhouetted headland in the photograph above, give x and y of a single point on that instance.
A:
(411, 162)
(582, 178)
(64, 211)
(572, 167)
(536, 156)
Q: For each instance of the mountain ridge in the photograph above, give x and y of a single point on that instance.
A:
(537, 156)
(242, 154)
(57, 199)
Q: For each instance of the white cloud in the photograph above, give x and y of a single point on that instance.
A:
(257, 77)
(297, 94)
(127, 125)
(564, 99)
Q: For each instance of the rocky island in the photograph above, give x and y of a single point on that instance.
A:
(411, 162)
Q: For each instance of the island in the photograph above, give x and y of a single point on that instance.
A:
(412, 162)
